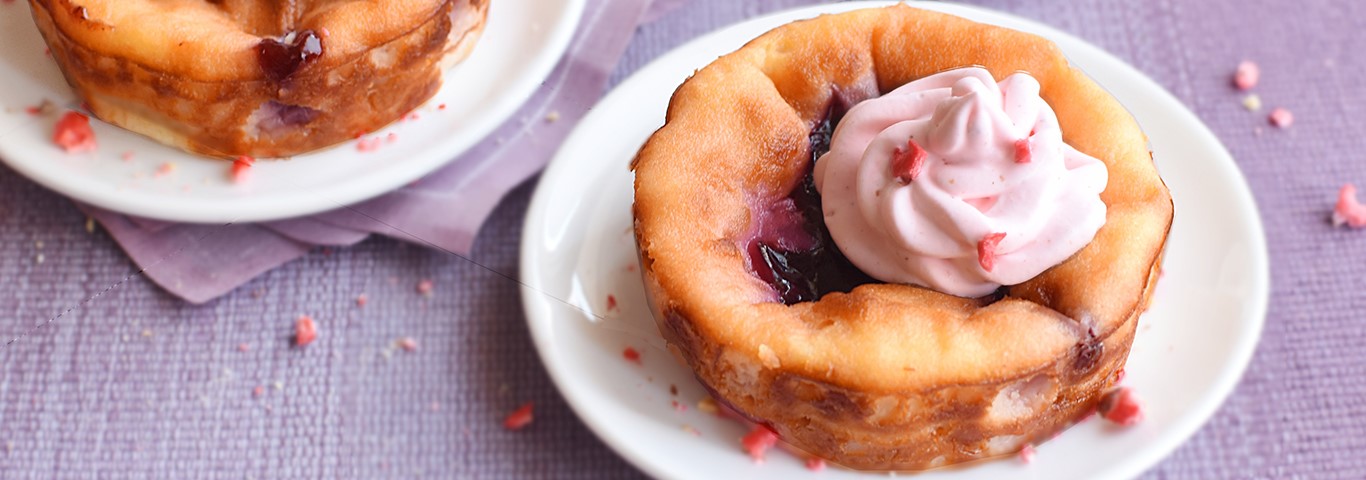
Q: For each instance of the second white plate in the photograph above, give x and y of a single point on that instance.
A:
(523, 40)
(585, 303)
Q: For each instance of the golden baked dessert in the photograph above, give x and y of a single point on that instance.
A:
(738, 196)
(225, 78)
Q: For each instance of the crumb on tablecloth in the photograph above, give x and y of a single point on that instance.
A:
(305, 331)
(1281, 118)
(1246, 75)
(519, 418)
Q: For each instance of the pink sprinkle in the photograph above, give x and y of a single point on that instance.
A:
(1121, 406)
(1023, 152)
(305, 331)
(1027, 453)
(369, 144)
(258, 391)
(127, 156)
(242, 347)
(1349, 211)
(1247, 75)
(241, 169)
(986, 250)
(679, 407)
(73, 133)
(362, 299)
(424, 287)
(391, 137)
(407, 344)
(165, 169)
(758, 441)
(1281, 118)
(441, 107)
(815, 464)
(519, 418)
(412, 116)
(611, 302)
(631, 355)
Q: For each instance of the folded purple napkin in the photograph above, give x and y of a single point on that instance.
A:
(201, 262)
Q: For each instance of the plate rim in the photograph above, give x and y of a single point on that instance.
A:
(169, 207)
(1184, 425)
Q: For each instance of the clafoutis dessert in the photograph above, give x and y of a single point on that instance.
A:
(898, 238)
(226, 78)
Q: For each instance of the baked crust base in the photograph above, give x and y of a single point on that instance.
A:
(886, 377)
(354, 89)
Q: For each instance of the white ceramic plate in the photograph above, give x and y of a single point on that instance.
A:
(1191, 348)
(523, 40)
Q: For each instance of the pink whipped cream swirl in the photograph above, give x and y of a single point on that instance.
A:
(959, 184)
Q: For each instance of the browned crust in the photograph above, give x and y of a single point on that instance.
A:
(199, 108)
(887, 377)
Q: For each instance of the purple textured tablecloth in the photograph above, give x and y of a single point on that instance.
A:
(128, 382)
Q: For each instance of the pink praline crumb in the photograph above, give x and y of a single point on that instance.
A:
(1281, 118)
(1348, 210)
(758, 441)
(368, 144)
(240, 171)
(73, 133)
(1246, 75)
(1121, 406)
(305, 331)
(815, 464)
(1027, 453)
(631, 355)
(986, 250)
(519, 418)
(1023, 151)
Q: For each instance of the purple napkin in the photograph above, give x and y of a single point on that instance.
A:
(201, 262)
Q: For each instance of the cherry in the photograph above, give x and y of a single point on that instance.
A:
(802, 263)
(279, 60)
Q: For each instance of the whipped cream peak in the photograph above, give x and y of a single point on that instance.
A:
(958, 183)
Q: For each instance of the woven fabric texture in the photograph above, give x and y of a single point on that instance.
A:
(110, 377)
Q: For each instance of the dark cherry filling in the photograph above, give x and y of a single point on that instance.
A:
(279, 60)
(792, 250)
